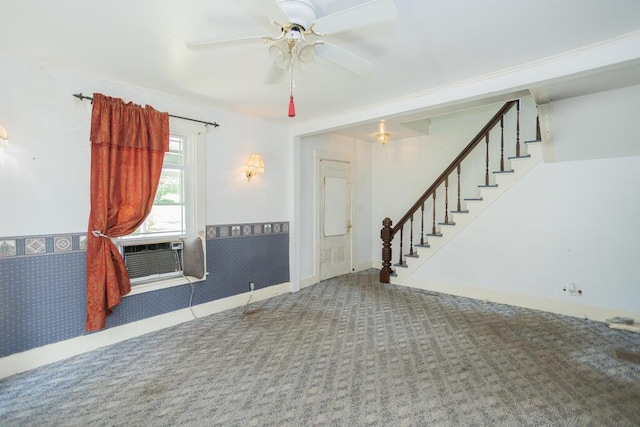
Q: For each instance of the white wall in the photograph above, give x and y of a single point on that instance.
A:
(362, 206)
(335, 147)
(599, 126)
(572, 221)
(44, 172)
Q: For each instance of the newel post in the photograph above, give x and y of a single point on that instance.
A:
(385, 235)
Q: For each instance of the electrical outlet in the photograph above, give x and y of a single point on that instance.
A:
(251, 286)
(572, 290)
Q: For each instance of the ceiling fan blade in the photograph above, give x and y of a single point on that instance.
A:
(275, 12)
(276, 75)
(343, 58)
(268, 10)
(371, 12)
(211, 43)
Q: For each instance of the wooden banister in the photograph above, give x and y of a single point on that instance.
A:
(454, 164)
(388, 232)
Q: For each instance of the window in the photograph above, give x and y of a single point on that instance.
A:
(168, 215)
(178, 208)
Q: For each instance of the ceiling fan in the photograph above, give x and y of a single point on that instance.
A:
(302, 36)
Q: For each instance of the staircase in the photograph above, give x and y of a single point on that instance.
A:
(433, 220)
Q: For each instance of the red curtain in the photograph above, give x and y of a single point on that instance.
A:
(128, 143)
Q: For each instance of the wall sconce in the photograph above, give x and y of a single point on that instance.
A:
(382, 136)
(4, 136)
(255, 165)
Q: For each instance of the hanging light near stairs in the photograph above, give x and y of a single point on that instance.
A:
(382, 136)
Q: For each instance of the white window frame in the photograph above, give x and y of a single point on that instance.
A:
(194, 181)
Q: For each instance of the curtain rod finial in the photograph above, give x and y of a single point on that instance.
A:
(81, 97)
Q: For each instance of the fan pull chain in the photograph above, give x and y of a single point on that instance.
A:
(292, 105)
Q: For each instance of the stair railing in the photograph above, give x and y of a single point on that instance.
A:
(388, 232)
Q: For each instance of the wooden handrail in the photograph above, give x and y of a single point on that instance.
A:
(454, 164)
(388, 232)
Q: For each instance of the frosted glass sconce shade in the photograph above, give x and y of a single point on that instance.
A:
(255, 165)
(4, 136)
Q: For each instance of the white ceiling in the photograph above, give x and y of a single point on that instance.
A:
(428, 44)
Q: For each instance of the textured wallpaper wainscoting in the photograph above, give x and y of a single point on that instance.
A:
(42, 281)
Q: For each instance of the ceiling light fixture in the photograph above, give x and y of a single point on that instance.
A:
(291, 46)
(382, 136)
(291, 49)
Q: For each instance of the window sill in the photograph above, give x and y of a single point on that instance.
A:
(162, 284)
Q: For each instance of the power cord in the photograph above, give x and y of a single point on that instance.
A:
(191, 297)
(179, 261)
(251, 286)
(249, 300)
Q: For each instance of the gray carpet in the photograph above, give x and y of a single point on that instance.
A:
(348, 351)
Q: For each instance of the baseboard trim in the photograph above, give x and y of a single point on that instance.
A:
(37, 357)
(224, 304)
(567, 308)
(305, 282)
(367, 265)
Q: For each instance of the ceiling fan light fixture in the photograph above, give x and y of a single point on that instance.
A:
(277, 53)
(307, 53)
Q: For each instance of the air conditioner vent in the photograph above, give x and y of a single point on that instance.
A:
(153, 260)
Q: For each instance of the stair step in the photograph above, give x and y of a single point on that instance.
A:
(529, 154)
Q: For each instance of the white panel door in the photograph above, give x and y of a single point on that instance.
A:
(335, 218)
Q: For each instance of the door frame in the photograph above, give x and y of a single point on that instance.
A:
(335, 157)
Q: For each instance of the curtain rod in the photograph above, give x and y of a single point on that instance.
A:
(81, 97)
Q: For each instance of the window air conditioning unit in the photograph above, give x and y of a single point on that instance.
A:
(149, 262)
(153, 261)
